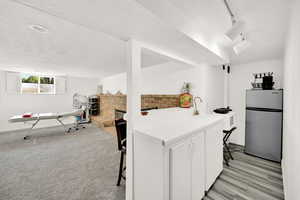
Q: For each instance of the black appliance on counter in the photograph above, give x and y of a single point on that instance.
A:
(222, 110)
(267, 82)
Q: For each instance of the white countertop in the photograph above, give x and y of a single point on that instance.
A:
(172, 124)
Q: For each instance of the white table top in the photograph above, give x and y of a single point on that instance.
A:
(172, 124)
(45, 116)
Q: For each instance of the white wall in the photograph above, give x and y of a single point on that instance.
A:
(213, 82)
(239, 80)
(115, 83)
(291, 133)
(165, 78)
(13, 104)
(168, 78)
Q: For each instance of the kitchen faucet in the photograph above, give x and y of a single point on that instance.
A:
(196, 111)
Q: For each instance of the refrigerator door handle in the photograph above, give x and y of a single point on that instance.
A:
(264, 109)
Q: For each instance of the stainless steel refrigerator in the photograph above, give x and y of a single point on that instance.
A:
(264, 123)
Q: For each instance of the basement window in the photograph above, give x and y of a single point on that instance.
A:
(47, 85)
(33, 84)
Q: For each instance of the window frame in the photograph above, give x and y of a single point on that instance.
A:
(39, 84)
(54, 85)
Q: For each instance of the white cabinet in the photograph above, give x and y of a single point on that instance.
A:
(213, 154)
(178, 170)
(187, 169)
(180, 176)
(198, 181)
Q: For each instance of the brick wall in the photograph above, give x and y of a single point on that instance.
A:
(109, 102)
(160, 101)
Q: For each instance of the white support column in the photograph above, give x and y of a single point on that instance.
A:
(226, 91)
(133, 109)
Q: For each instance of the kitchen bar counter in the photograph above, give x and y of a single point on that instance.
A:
(177, 155)
(172, 124)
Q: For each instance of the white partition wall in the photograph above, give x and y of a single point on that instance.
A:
(291, 126)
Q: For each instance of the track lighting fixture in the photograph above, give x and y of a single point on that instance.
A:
(236, 33)
(242, 45)
(238, 26)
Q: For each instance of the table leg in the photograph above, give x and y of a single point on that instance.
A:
(27, 137)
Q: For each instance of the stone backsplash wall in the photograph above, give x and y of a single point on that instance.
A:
(109, 102)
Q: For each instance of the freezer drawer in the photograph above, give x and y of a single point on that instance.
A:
(264, 98)
(263, 134)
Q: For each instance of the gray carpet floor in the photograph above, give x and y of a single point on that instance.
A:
(248, 178)
(55, 166)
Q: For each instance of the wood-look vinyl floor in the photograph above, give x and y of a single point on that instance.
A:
(248, 178)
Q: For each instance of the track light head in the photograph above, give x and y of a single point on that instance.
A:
(236, 29)
(241, 46)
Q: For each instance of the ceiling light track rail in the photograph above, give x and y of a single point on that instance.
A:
(233, 19)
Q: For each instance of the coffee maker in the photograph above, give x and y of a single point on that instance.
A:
(268, 83)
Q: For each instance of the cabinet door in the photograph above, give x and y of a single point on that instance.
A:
(180, 179)
(213, 154)
(198, 182)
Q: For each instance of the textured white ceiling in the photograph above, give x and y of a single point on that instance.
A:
(266, 26)
(86, 38)
(208, 20)
(66, 48)
(204, 21)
